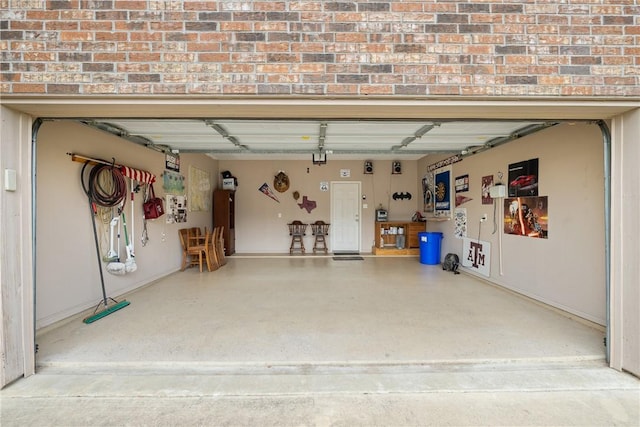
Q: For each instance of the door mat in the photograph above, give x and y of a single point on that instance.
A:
(348, 258)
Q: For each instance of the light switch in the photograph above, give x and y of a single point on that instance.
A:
(365, 206)
(10, 181)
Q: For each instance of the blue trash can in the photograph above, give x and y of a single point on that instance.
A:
(430, 247)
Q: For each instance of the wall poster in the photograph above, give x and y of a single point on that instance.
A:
(526, 216)
(476, 255)
(460, 228)
(523, 178)
(427, 193)
(176, 209)
(172, 161)
(199, 190)
(173, 183)
(443, 193)
(462, 183)
(487, 181)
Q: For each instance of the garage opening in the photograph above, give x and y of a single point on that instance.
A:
(266, 307)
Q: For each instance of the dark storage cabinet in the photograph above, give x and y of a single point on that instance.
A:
(224, 215)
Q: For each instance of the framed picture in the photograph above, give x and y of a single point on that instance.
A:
(523, 178)
(443, 192)
(428, 198)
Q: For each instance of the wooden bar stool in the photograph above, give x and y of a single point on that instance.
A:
(320, 229)
(297, 231)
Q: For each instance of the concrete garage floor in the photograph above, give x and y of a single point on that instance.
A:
(308, 340)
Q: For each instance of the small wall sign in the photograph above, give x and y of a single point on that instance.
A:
(172, 162)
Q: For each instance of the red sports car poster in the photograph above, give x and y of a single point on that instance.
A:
(523, 178)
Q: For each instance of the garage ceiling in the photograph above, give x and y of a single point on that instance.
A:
(237, 139)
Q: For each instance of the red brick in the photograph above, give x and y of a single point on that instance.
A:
(272, 47)
(144, 57)
(130, 4)
(27, 88)
(133, 68)
(109, 57)
(577, 90)
(110, 36)
(42, 15)
(343, 89)
(376, 89)
(101, 88)
(268, 5)
(268, 27)
(39, 56)
(554, 80)
(307, 68)
(77, 35)
(608, 29)
(444, 90)
(235, 26)
(617, 60)
(204, 88)
(96, 25)
(214, 57)
(407, 7)
(239, 88)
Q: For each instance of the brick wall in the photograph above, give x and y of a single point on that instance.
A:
(487, 48)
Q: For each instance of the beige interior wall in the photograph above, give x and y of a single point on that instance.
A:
(67, 272)
(261, 223)
(567, 270)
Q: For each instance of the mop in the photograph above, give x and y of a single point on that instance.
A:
(130, 264)
(111, 254)
(116, 267)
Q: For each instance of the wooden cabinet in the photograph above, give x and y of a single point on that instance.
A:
(397, 238)
(412, 236)
(224, 215)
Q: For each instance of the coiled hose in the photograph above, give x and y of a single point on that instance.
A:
(104, 185)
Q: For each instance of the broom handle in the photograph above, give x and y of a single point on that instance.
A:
(95, 237)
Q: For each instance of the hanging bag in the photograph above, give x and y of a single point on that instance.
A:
(153, 208)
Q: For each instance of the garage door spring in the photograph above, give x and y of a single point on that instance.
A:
(104, 185)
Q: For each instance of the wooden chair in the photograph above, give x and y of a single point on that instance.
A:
(184, 239)
(212, 251)
(320, 229)
(194, 248)
(219, 245)
(297, 231)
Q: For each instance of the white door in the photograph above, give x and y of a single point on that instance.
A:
(345, 217)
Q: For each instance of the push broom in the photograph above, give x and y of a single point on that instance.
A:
(103, 308)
